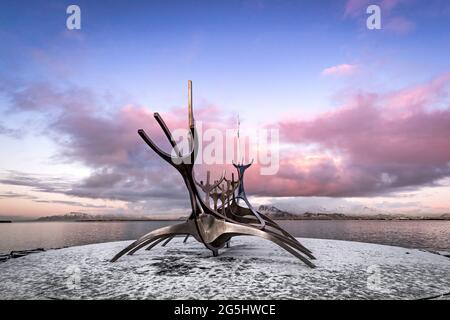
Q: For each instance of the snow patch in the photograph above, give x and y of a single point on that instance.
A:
(250, 269)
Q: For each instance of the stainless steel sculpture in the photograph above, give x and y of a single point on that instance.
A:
(213, 226)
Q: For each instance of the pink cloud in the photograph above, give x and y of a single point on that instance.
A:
(390, 4)
(341, 70)
(399, 25)
(354, 8)
(106, 141)
(377, 143)
(374, 144)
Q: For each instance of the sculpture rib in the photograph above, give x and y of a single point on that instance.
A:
(269, 223)
(229, 230)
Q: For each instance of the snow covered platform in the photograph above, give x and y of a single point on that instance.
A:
(250, 269)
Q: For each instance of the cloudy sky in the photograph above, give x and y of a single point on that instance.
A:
(363, 115)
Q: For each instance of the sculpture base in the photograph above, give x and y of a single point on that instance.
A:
(250, 269)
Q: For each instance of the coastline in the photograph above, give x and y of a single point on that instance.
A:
(275, 219)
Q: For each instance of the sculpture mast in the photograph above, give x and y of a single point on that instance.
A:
(191, 122)
(238, 141)
(190, 111)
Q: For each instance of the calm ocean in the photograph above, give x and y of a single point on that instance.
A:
(434, 235)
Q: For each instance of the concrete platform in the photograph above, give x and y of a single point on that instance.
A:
(251, 269)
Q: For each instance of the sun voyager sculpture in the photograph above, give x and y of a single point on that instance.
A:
(231, 213)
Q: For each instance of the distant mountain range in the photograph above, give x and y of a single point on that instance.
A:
(277, 214)
(81, 216)
(269, 210)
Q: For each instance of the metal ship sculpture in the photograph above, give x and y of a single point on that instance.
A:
(229, 215)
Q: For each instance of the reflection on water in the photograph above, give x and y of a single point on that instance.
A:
(413, 234)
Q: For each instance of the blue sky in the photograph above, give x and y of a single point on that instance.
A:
(265, 60)
(233, 49)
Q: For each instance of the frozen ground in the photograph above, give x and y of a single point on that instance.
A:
(251, 268)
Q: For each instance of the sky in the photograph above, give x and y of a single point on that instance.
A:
(363, 115)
